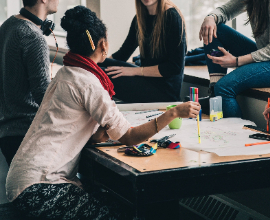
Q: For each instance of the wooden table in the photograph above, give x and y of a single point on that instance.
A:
(172, 174)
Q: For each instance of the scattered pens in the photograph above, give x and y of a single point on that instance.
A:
(148, 116)
(146, 111)
(258, 143)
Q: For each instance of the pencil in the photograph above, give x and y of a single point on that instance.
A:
(258, 143)
(198, 124)
(267, 127)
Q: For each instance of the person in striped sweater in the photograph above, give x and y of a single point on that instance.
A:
(24, 73)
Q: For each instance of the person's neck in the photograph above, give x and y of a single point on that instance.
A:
(152, 9)
(96, 59)
(39, 12)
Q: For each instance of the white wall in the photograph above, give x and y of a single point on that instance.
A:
(117, 16)
(242, 28)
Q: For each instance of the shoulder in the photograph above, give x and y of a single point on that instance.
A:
(134, 21)
(173, 20)
(78, 77)
(171, 14)
(28, 31)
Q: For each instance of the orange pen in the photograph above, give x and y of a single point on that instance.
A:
(259, 143)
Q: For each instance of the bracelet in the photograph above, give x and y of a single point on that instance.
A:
(156, 126)
(142, 71)
(236, 61)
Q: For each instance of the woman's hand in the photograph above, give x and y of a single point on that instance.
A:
(226, 61)
(100, 135)
(208, 30)
(188, 109)
(266, 113)
(118, 71)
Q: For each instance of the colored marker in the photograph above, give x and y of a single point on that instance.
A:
(198, 117)
(259, 143)
(267, 127)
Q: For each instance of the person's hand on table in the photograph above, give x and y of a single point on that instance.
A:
(118, 71)
(208, 30)
(226, 61)
(266, 113)
(100, 135)
(188, 109)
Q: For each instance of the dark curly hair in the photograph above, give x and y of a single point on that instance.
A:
(29, 3)
(76, 21)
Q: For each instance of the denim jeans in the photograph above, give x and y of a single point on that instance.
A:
(253, 75)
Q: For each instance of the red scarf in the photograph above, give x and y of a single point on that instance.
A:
(73, 59)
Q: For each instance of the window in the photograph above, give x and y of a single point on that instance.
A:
(8, 8)
(62, 7)
(12, 7)
(194, 12)
(3, 10)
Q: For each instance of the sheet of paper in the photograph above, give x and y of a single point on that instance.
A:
(136, 118)
(225, 137)
(145, 106)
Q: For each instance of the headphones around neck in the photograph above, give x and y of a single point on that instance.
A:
(47, 26)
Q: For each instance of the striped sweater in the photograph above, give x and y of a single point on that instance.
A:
(24, 74)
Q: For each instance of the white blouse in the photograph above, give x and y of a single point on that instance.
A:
(73, 107)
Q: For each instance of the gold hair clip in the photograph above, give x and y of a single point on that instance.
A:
(91, 40)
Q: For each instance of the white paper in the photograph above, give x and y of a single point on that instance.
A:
(225, 137)
(145, 106)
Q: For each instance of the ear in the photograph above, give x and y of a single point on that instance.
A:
(102, 44)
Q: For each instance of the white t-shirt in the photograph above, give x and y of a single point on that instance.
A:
(73, 107)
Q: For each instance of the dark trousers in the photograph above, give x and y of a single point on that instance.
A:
(134, 89)
(9, 146)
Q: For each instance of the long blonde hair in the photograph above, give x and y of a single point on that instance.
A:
(157, 43)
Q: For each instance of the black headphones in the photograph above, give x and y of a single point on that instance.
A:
(46, 26)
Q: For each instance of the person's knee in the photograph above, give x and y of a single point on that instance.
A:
(222, 88)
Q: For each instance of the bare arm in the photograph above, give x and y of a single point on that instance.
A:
(143, 132)
(228, 60)
(117, 71)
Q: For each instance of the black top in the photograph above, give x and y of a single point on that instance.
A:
(170, 63)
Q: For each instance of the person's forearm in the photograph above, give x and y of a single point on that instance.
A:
(143, 132)
(246, 59)
(149, 71)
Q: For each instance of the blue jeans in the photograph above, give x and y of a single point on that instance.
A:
(253, 75)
